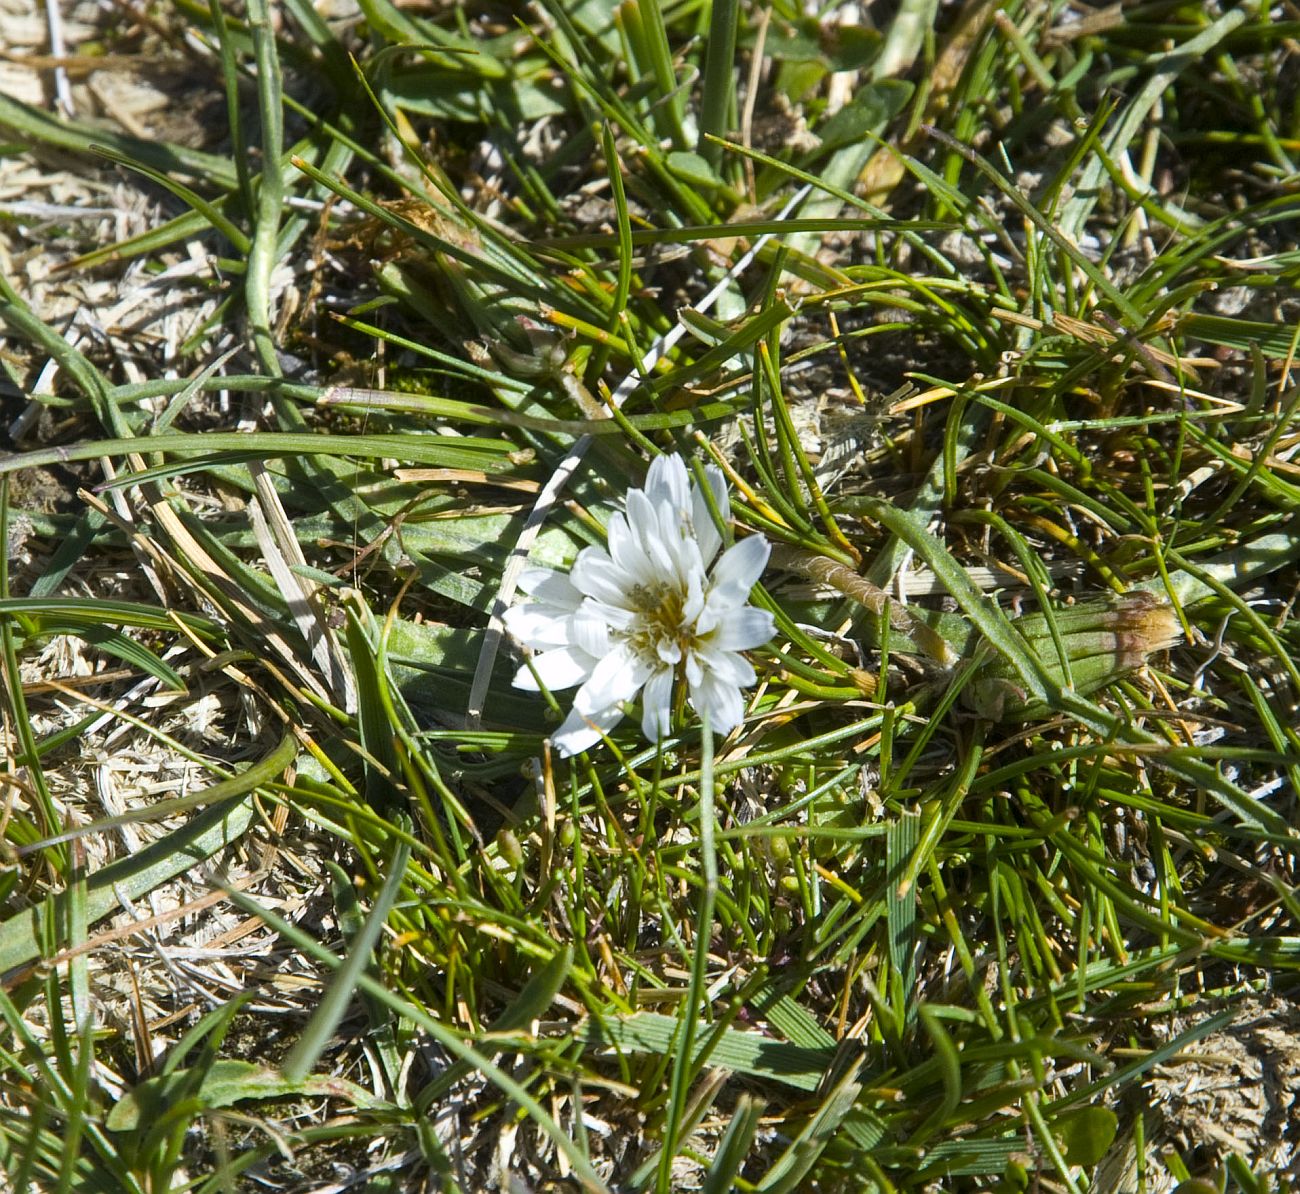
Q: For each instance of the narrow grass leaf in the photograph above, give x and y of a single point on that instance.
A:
(532, 1003)
(694, 1005)
(798, 1160)
(990, 621)
(1164, 68)
(319, 1031)
(44, 129)
(901, 842)
(734, 1147)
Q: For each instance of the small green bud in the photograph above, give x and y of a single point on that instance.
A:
(510, 849)
(1103, 641)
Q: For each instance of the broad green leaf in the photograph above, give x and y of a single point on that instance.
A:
(692, 168)
(745, 1052)
(1085, 1134)
(864, 116)
(227, 1082)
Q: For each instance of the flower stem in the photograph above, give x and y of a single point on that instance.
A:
(695, 994)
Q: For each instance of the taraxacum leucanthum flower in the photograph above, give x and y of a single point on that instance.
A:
(657, 604)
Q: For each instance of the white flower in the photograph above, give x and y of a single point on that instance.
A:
(653, 606)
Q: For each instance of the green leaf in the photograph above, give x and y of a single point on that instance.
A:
(460, 97)
(864, 115)
(901, 842)
(462, 452)
(118, 644)
(1275, 340)
(1086, 1134)
(837, 48)
(533, 1002)
(79, 613)
(320, 1030)
(381, 764)
(790, 1169)
(692, 168)
(743, 1052)
(228, 1082)
(40, 127)
(986, 616)
(734, 1146)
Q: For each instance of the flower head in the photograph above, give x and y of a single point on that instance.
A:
(658, 603)
(1103, 640)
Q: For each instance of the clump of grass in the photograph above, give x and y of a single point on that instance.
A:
(965, 309)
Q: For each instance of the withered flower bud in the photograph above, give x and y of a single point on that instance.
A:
(1103, 640)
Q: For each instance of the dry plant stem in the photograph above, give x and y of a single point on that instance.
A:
(751, 98)
(221, 583)
(145, 924)
(281, 551)
(844, 579)
(62, 90)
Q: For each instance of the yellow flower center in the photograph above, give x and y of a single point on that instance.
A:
(660, 607)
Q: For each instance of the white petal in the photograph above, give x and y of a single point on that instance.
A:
(550, 588)
(597, 707)
(656, 705)
(590, 631)
(693, 606)
(643, 520)
(706, 531)
(557, 670)
(614, 617)
(537, 626)
(678, 542)
(579, 732)
(617, 677)
(717, 480)
(723, 702)
(727, 667)
(737, 572)
(743, 630)
(668, 481)
(627, 553)
(596, 575)
(668, 651)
